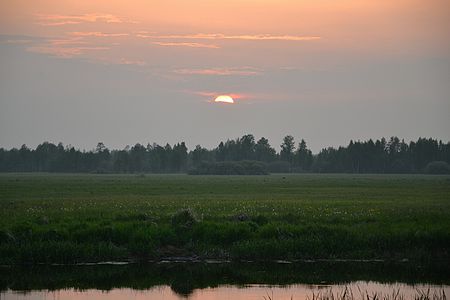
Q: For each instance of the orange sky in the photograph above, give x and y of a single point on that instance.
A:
(382, 25)
(306, 52)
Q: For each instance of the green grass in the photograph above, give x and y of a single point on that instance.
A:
(77, 218)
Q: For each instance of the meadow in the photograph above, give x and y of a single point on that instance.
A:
(67, 218)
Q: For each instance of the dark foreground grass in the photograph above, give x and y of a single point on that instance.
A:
(48, 218)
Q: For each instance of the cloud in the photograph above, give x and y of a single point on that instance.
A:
(58, 23)
(220, 36)
(69, 41)
(64, 52)
(192, 45)
(18, 42)
(60, 20)
(66, 47)
(18, 39)
(96, 34)
(245, 71)
(212, 95)
(125, 61)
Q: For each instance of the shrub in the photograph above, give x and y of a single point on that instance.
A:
(437, 167)
(184, 219)
(401, 166)
(279, 167)
(260, 220)
(244, 167)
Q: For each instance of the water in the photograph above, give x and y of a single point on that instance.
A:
(248, 292)
(222, 281)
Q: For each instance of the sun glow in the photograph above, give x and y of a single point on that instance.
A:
(224, 99)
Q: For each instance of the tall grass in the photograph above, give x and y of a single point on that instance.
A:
(77, 218)
(347, 294)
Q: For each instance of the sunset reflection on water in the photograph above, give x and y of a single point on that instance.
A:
(247, 292)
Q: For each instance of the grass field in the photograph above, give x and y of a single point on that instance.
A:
(54, 218)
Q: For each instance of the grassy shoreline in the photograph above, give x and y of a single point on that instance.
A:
(66, 218)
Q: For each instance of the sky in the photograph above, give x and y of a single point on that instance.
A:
(123, 72)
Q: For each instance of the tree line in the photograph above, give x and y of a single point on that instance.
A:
(379, 156)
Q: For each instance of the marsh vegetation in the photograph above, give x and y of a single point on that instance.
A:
(88, 218)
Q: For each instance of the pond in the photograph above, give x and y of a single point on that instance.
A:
(196, 281)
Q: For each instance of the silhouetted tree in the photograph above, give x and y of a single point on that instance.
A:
(246, 147)
(379, 156)
(287, 149)
(200, 155)
(264, 152)
(303, 157)
(179, 157)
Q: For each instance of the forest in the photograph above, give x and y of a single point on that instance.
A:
(244, 155)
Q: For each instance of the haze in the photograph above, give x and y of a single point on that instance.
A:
(123, 72)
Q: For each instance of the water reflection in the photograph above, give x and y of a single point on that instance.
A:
(217, 281)
(256, 292)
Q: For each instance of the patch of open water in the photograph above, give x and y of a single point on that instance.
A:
(226, 281)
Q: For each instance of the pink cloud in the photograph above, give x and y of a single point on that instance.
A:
(192, 45)
(70, 41)
(97, 34)
(125, 61)
(18, 42)
(220, 36)
(64, 52)
(212, 95)
(246, 71)
(59, 20)
(58, 23)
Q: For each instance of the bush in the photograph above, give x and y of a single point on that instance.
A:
(401, 166)
(245, 167)
(183, 219)
(260, 220)
(280, 167)
(437, 167)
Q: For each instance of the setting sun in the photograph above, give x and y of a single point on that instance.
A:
(224, 98)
